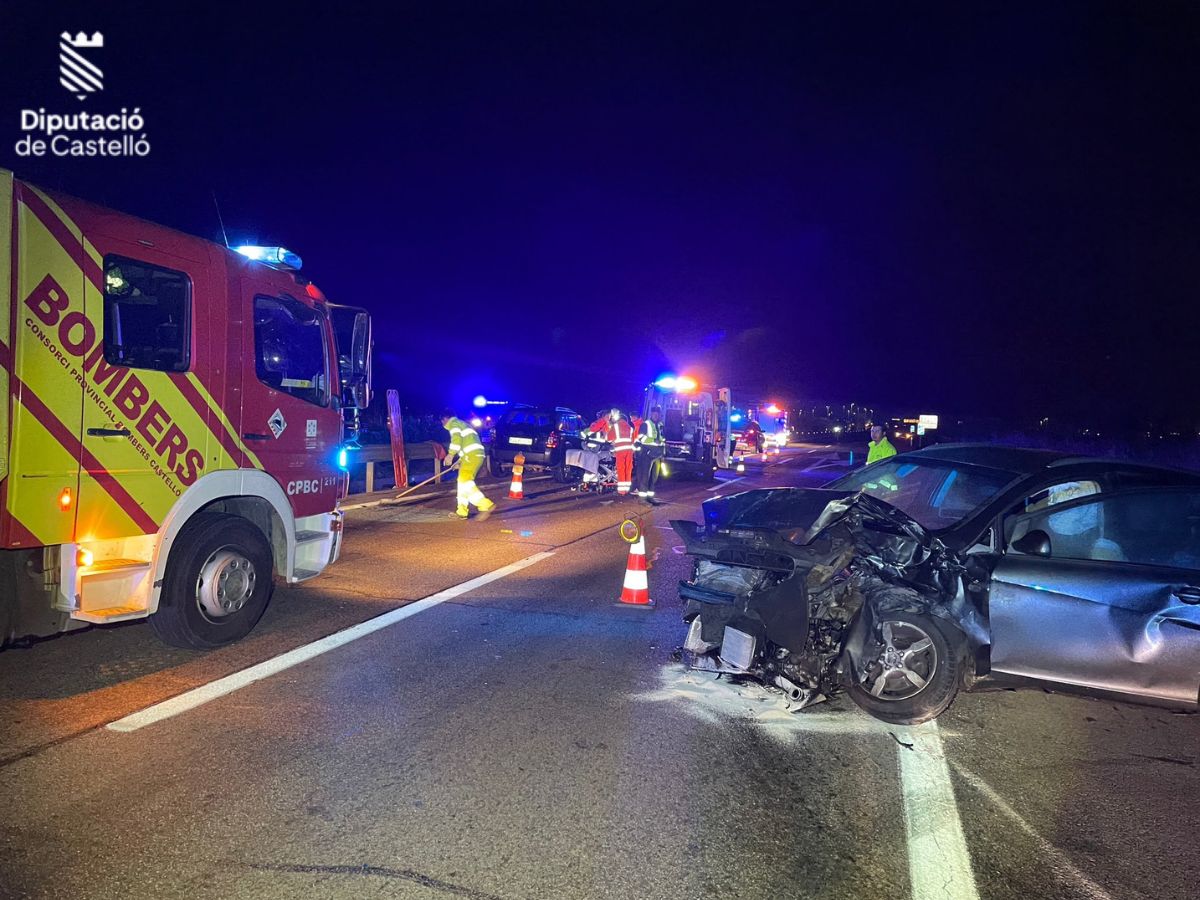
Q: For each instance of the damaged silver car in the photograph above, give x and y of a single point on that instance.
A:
(903, 581)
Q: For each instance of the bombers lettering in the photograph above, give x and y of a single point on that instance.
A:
(76, 335)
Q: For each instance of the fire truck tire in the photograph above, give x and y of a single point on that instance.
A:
(217, 583)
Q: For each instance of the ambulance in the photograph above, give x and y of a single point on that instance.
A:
(695, 425)
(172, 415)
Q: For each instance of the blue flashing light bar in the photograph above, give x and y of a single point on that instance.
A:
(279, 257)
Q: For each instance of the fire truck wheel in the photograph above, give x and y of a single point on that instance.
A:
(217, 583)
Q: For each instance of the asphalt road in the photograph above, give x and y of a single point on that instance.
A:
(523, 737)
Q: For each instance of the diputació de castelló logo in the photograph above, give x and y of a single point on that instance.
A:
(82, 134)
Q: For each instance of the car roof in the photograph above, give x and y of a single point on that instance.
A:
(1028, 461)
(1019, 460)
(512, 407)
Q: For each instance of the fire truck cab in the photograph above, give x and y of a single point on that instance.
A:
(171, 420)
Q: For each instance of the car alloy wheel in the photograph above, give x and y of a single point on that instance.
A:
(906, 663)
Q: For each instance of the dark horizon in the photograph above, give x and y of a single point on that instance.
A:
(988, 212)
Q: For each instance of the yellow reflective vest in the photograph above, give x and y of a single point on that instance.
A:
(463, 439)
(881, 450)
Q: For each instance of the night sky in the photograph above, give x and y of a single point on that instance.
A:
(984, 209)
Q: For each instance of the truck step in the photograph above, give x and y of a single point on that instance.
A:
(112, 614)
(305, 537)
(114, 566)
(303, 574)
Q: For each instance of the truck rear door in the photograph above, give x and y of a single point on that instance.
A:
(143, 420)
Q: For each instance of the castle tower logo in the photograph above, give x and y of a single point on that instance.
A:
(77, 73)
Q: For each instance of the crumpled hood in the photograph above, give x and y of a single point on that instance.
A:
(803, 513)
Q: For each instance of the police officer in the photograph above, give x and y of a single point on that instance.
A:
(650, 447)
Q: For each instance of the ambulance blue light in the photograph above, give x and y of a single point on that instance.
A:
(667, 383)
(736, 417)
(280, 257)
(343, 460)
(480, 401)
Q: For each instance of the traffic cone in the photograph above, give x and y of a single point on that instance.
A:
(636, 589)
(516, 490)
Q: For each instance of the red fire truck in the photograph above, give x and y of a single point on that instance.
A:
(171, 422)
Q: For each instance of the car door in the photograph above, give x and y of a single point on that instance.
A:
(1103, 591)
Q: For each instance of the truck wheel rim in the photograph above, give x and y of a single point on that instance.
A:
(907, 662)
(225, 584)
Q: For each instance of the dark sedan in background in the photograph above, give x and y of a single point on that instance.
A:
(542, 434)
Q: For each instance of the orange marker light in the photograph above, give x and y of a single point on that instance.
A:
(84, 558)
(64, 499)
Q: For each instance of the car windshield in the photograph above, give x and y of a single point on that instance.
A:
(527, 417)
(936, 494)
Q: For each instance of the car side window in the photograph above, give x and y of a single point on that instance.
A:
(289, 348)
(1153, 527)
(1047, 497)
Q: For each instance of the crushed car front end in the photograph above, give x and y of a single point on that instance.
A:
(822, 591)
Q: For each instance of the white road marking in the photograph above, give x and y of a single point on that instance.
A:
(1059, 862)
(939, 865)
(717, 487)
(230, 683)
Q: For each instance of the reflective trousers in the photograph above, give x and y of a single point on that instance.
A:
(468, 491)
(624, 460)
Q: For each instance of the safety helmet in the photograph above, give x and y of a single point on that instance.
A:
(614, 414)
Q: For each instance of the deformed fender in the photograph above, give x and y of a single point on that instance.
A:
(881, 596)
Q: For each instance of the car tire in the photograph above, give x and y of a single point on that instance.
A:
(888, 692)
(495, 467)
(217, 583)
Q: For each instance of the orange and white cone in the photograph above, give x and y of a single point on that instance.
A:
(516, 490)
(636, 589)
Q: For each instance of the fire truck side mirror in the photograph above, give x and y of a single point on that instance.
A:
(352, 333)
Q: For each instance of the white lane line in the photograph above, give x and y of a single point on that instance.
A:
(230, 683)
(939, 865)
(1060, 864)
(717, 487)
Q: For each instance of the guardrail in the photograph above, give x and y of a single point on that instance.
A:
(375, 454)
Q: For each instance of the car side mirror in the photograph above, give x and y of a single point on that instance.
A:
(1035, 543)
